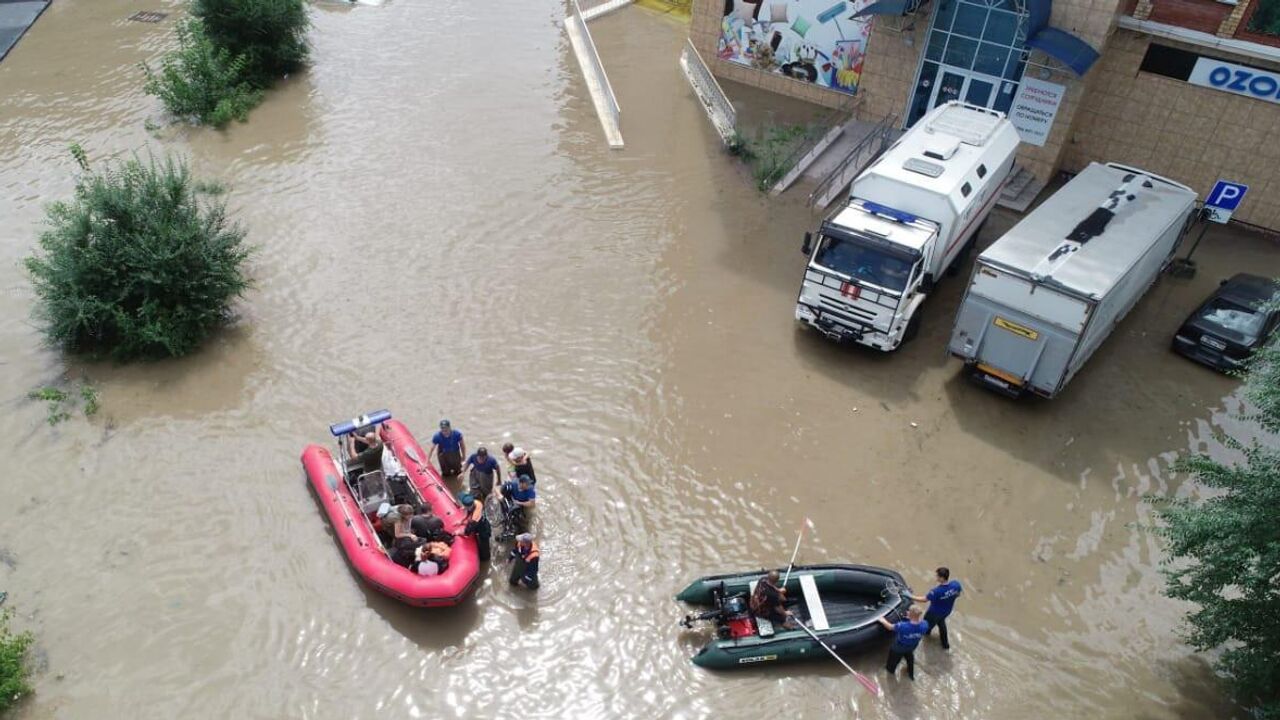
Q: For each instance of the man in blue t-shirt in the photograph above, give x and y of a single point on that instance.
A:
(449, 443)
(941, 599)
(484, 472)
(906, 636)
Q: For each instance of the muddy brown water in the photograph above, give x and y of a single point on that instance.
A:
(627, 315)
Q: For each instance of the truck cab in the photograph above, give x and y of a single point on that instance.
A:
(865, 260)
(910, 216)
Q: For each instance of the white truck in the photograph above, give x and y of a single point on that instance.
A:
(910, 216)
(1045, 295)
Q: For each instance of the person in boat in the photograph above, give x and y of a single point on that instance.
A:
(425, 524)
(942, 600)
(477, 524)
(769, 601)
(451, 448)
(524, 572)
(364, 451)
(484, 473)
(906, 636)
(522, 464)
(404, 550)
(397, 523)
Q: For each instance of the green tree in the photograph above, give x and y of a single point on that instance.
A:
(201, 82)
(271, 34)
(13, 665)
(137, 263)
(1224, 551)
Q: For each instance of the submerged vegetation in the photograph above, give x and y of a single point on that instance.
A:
(137, 264)
(229, 52)
(1225, 549)
(201, 82)
(772, 155)
(14, 672)
(60, 403)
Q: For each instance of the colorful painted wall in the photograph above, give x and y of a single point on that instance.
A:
(814, 41)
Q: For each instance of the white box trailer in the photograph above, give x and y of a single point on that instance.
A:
(911, 215)
(1045, 295)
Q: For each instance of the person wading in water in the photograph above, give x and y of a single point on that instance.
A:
(941, 599)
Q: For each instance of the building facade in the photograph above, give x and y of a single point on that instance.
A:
(1187, 89)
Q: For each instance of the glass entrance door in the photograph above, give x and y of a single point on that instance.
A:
(976, 52)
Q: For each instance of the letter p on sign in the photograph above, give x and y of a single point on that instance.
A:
(1224, 199)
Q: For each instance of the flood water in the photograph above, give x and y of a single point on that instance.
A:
(442, 231)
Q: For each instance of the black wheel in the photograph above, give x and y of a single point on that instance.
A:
(913, 329)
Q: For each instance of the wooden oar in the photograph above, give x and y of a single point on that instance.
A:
(867, 682)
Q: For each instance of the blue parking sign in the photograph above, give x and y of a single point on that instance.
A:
(1223, 199)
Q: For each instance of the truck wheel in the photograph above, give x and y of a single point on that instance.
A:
(913, 329)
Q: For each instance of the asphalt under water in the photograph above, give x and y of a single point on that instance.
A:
(443, 232)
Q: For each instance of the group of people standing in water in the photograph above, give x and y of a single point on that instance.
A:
(515, 497)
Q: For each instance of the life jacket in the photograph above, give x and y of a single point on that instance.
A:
(532, 553)
(440, 550)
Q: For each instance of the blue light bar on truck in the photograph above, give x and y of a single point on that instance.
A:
(886, 211)
(350, 426)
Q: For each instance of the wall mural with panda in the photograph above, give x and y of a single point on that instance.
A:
(817, 41)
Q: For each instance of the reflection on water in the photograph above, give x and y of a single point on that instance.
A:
(443, 232)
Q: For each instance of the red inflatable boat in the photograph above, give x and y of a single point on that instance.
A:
(352, 499)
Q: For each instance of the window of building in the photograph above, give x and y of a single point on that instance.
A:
(965, 189)
(982, 171)
(976, 52)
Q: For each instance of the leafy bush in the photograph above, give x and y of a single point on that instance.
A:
(1225, 551)
(202, 82)
(270, 34)
(13, 667)
(136, 264)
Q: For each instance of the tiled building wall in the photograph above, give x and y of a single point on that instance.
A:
(892, 59)
(1188, 133)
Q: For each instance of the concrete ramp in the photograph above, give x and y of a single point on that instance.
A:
(584, 48)
(15, 17)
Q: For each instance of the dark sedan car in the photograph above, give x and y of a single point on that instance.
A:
(1237, 318)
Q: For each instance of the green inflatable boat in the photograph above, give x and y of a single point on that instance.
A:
(841, 604)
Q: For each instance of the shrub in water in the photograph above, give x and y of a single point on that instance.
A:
(270, 34)
(202, 82)
(13, 667)
(137, 264)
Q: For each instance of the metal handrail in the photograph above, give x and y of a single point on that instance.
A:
(838, 115)
(879, 133)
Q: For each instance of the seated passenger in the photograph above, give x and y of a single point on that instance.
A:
(426, 525)
(401, 524)
(404, 551)
(767, 601)
(521, 492)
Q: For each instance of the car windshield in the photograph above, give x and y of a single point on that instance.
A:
(863, 262)
(1237, 321)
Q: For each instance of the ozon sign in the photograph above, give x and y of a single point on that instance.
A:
(1238, 79)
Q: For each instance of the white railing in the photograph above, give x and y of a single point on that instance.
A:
(593, 70)
(716, 103)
